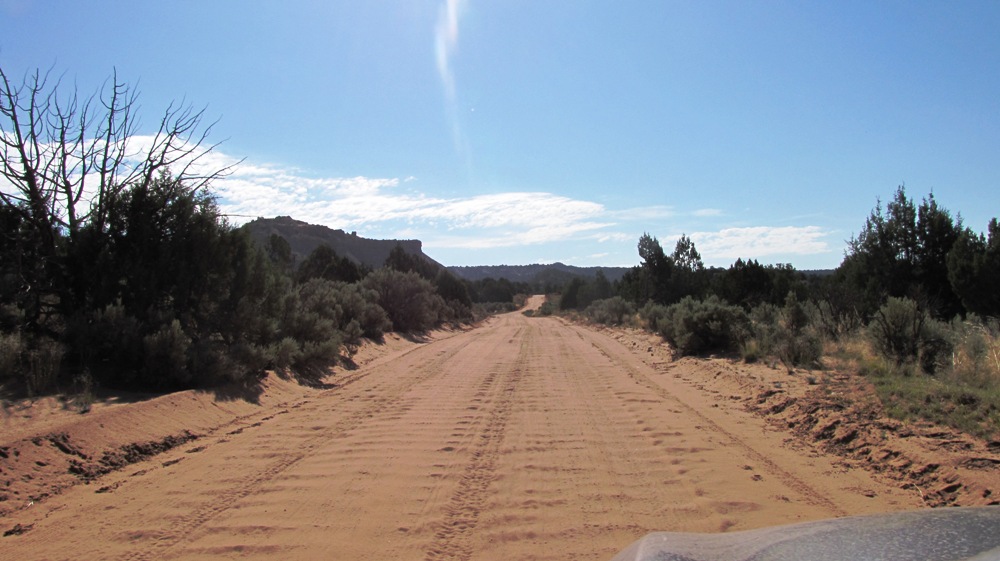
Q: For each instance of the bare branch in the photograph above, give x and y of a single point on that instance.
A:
(64, 158)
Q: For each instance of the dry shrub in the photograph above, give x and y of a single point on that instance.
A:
(44, 362)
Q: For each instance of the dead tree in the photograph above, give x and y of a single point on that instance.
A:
(63, 158)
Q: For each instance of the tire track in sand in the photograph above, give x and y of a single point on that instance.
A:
(181, 530)
(451, 538)
(811, 495)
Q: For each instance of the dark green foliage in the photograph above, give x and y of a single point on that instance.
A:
(410, 300)
(937, 234)
(279, 251)
(164, 288)
(109, 341)
(400, 260)
(749, 284)
(602, 288)
(974, 270)
(904, 253)
(665, 279)
(686, 256)
(452, 301)
(746, 283)
(653, 277)
(696, 327)
(165, 355)
(493, 290)
(452, 289)
(126, 275)
(689, 277)
(570, 299)
(580, 292)
(324, 263)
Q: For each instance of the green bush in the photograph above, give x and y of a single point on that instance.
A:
(804, 349)
(360, 315)
(286, 352)
(110, 341)
(902, 332)
(547, 308)
(314, 322)
(652, 314)
(317, 354)
(935, 346)
(610, 311)
(785, 333)
(409, 300)
(696, 327)
(11, 349)
(895, 330)
(166, 356)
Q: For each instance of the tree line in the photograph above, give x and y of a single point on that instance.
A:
(920, 252)
(913, 307)
(118, 269)
(917, 256)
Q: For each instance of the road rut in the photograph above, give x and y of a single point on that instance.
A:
(525, 438)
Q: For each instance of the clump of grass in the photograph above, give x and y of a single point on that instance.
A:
(750, 351)
(43, 367)
(963, 393)
(84, 398)
(11, 349)
(949, 402)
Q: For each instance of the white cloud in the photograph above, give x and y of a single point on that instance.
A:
(364, 203)
(615, 237)
(761, 241)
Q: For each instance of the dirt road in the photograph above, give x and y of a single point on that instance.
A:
(525, 438)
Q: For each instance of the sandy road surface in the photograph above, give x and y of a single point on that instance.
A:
(525, 438)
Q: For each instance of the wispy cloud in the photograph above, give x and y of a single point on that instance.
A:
(651, 212)
(445, 46)
(445, 43)
(761, 241)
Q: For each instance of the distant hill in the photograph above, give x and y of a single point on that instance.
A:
(304, 238)
(818, 272)
(555, 273)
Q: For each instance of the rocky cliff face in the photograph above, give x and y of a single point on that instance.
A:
(304, 238)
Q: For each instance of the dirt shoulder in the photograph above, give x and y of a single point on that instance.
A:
(47, 445)
(837, 412)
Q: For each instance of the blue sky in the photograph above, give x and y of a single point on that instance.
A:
(514, 132)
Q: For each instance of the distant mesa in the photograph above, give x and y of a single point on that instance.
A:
(304, 238)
